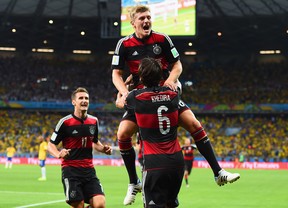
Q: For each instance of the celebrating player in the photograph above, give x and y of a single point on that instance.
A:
(130, 50)
(156, 111)
(188, 152)
(78, 133)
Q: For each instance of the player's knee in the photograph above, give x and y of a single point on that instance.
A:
(190, 125)
(125, 144)
(77, 204)
(124, 132)
(188, 121)
(123, 136)
(98, 202)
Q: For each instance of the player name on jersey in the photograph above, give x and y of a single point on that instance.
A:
(160, 98)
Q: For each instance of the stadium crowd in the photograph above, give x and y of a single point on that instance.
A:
(35, 79)
(263, 137)
(258, 137)
(235, 83)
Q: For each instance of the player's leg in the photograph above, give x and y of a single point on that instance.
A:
(189, 122)
(73, 192)
(187, 171)
(11, 162)
(98, 202)
(43, 170)
(186, 178)
(94, 188)
(77, 204)
(125, 132)
(7, 162)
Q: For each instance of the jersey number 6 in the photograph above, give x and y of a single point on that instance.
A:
(163, 120)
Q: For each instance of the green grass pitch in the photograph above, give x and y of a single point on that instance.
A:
(185, 25)
(20, 188)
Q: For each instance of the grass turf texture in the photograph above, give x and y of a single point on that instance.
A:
(169, 27)
(19, 187)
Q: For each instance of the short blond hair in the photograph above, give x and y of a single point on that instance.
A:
(137, 9)
(79, 89)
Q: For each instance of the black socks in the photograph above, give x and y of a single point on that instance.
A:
(205, 148)
(129, 157)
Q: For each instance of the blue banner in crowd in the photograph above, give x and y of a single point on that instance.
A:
(202, 108)
(45, 105)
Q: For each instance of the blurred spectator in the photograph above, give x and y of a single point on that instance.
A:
(33, 79)
(262, 136)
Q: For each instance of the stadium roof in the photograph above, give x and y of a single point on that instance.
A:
(244, 24)
(92, 8)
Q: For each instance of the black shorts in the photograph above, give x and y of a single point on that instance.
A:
(130, 114)
(81, 188)
(161, 187)
(188, 165)
(140, 160)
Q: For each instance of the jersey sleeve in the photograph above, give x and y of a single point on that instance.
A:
(118, 59)
(170, 50)
(95, 138)
(57, 135)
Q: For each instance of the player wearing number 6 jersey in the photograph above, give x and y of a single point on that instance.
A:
(156, 111)
(78, 133)
(130, 50)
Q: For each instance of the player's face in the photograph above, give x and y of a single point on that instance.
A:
(142, 24)
(81, 101)
(187, 142)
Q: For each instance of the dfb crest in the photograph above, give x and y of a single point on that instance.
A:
(157, 49)
(92, 129)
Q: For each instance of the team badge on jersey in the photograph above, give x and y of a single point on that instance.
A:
(157, 49)
(174, 52)
(92, 129)
(73, 194)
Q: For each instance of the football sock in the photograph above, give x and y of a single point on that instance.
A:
(43, 172)
(205, 148)
(129, 157)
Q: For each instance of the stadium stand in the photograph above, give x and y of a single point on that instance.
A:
(34, 79)
(228, 69)
(256, 136)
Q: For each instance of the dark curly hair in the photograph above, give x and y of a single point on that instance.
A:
(150, 72)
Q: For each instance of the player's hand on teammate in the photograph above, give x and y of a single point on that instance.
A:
(120, 100)
(171, 84)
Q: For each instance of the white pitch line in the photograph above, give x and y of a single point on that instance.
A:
(39, 204)
(17, 192)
